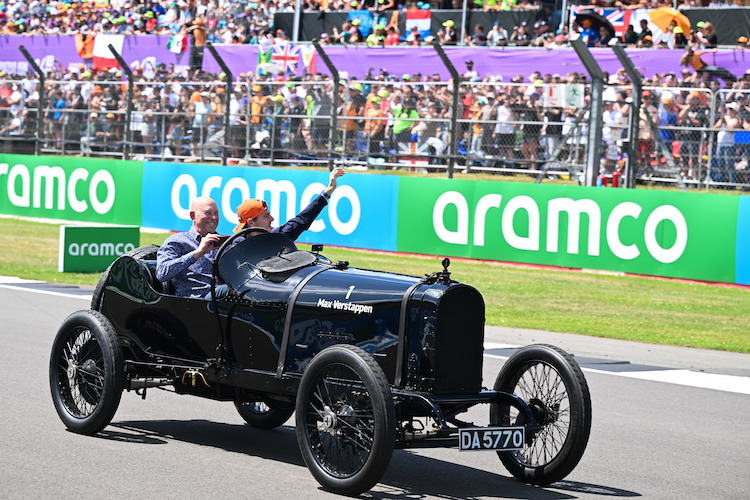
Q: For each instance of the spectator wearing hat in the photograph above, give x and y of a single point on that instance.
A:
(707, 36)
(723, 169)
(405, 118)
(377, 37)
(353, 108)
(743, 43)
(447, 35)
(521, 35)
(255, 213)
(504, 134)
(478, 39)
(679, 40)
(470, 74)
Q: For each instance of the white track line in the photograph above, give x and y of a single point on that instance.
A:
(726, 383)
(11, 283)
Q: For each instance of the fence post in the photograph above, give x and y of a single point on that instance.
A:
(42, 98)
(635, 113)
(127, 150)
(227, 98)
(593, 153)
(454, 105)
(334, 104)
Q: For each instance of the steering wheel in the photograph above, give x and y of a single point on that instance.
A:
(229, 241)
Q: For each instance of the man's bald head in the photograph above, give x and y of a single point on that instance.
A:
(205, 215)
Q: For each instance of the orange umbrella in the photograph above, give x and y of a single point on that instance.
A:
(662, 16)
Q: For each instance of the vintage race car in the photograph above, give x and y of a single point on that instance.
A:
(368, 361)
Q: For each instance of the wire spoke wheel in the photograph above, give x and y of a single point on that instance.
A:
(86, 372)
(345, 420)
(553, 386)
(262, 415)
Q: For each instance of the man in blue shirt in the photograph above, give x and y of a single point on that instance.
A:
(187, 258)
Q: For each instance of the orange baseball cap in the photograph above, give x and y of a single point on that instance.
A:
(249, 209)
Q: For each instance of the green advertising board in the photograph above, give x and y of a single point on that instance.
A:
(94, 248)
(658, 233)
(76, 189)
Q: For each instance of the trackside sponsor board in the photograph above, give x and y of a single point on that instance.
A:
(683, 235)
(78, 189)
(742, 255)
(361, 212)
(94, 248)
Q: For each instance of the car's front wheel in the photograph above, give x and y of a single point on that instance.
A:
(86, 372)
(345, 420)
(553, 386)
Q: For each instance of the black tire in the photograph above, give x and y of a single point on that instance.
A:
(550, 381)
(86, 372)
(262, 415)
(345, 420)
(146, 253)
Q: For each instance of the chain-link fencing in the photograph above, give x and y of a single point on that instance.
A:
(690, 136)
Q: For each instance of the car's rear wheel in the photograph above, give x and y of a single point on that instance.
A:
(345, 420)
(262, 415)
(550, 381)
(86, 372)
(146, 253)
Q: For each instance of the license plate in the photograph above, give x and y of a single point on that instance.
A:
(491, 438)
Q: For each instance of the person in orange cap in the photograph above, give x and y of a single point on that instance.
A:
(255, 213)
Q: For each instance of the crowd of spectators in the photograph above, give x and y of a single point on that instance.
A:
(183, 114)
(499, 122)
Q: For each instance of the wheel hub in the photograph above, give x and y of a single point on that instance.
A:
(329, 418)
(543, 414)
(72, 369)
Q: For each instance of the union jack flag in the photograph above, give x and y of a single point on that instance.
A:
(410, 153)
(413, 149)
(286, 55)
(620, 20)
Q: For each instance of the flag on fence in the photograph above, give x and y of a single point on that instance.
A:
(103, 57)
(177, 43)
(286, 55)
(309, 58)
(85, 45)
(421, 19)
(413, 154)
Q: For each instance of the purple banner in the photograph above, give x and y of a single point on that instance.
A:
(507, 62)
(58, 52)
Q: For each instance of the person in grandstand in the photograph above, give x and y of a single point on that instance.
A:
(693, 117)
(692, 58)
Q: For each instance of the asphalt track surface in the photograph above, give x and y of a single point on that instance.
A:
(657, 431)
